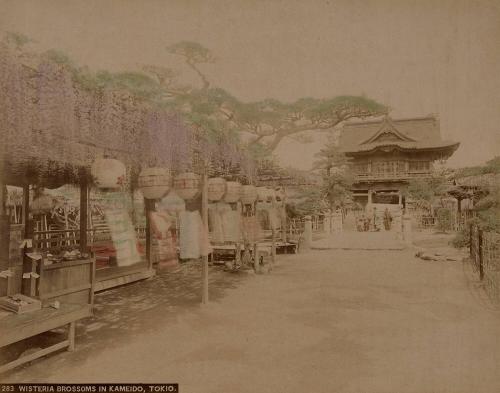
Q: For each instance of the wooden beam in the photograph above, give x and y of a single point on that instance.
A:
(84, 194)
(35, 355)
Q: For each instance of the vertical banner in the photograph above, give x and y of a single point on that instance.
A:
(161, 223)
(120, 225)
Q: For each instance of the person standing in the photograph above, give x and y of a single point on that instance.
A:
(387, 219)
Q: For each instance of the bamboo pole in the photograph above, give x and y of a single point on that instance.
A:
(204, 215)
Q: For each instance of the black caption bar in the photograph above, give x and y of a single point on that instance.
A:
(89, 387)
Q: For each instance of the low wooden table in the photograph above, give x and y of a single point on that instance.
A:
(17, 327)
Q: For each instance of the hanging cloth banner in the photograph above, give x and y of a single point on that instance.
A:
(215, 223)
(231, 224)
(121, 228)
(193, 239)
(161, 223)
(251, 229)
(269, 217)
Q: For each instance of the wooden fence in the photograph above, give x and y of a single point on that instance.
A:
(458, 220)
(485, 259)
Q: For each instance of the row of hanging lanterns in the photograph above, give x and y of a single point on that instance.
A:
(231, 192)
(154, 183)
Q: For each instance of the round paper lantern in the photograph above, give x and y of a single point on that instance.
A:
(248, 194)
(154, 183)
(271, 196)
(233, 192)
(280, 196)
(108, 173)
(187, 185)
(42, 204)
(173, 203)
(216, 188)
(265, 194)
(261, 193)
(53, 184)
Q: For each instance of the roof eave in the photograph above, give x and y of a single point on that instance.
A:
(448, 149)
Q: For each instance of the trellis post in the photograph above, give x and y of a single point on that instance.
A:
(480, 252)
(84, 192)
(471, 226)
(204, 215)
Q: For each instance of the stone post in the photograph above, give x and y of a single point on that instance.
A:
(407, 235)
(327, 222)
(398, 224)
(337, 220)
(307, 241)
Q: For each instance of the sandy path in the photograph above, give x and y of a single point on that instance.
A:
(327, 321)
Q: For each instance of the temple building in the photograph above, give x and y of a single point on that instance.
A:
(388, 153)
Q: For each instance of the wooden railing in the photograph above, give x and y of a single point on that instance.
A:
(391, 175)
(62, 239)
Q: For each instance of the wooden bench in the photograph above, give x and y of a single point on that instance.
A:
(71, 283)
(17, 327)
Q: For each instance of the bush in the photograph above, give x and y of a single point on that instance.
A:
(462, 238)
(444, 219)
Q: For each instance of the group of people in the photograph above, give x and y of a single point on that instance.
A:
(372, 221)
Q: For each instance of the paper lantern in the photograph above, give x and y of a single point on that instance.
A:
(248, 195)
(280, 196)
(233, 192)
(108, 173)
(173, 203)
(187, 185)
(271, 196)
(154, 183)
(265, 194)
(261, 194)
(216, 188)
(42, 204)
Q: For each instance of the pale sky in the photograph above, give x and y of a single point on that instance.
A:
(416, 56)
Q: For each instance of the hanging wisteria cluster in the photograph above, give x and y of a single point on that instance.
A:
(57, 118)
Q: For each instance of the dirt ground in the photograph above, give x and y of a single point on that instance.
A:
(326, 321)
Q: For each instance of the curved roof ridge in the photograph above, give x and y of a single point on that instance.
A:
(387, 125)
(432, 116)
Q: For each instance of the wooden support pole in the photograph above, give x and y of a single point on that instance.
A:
(29, 265)
(273, 246)
(237, 255)
(4, 234)
(255, 251)
(204, 216)
(84, 193)
(470, 239)
(71, 336)
(480, 252)
(256, 262)
(149, 205)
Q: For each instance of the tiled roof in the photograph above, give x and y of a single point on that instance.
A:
(406, 145)
(415, 133)
(487, 180)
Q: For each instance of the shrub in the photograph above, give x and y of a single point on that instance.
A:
(444, 219)
(462, 238)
